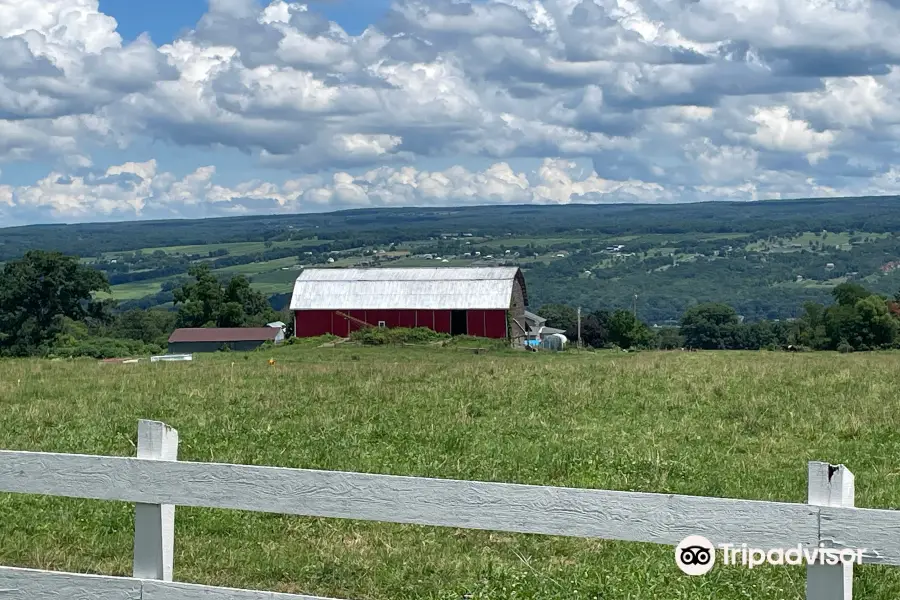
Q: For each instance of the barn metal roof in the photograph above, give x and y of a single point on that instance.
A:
(442, 288)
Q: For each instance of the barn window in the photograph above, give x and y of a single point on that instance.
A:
(382, 324)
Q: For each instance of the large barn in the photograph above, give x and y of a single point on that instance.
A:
(479, 301)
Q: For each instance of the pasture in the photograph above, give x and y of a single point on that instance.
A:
(739, 425)
(233, 248)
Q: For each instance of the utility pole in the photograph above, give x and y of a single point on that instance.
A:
(579, 327)
(634, 307)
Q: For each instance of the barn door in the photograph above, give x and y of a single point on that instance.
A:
(458, 322)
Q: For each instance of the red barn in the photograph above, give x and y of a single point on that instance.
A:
(480, 301)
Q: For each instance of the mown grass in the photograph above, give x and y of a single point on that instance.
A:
(737, 425)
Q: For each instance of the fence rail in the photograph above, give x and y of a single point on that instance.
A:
(157, 482)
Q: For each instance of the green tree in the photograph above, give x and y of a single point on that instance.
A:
(39, 292)
(594, 329)
(809, 330)
(878, 329)
(848, 294)
(859, 319)
(560, 316)
(709, 326)
(842, 325)
(149, 326)
(627, 331)
(669, 338)
(206, 302)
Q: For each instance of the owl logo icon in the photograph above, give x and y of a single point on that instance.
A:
(695, 555)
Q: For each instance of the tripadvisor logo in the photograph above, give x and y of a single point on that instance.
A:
(696, 555)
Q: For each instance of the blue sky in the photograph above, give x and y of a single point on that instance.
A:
(164, 20)
(263, 106)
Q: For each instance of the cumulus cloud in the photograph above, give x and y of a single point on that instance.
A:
(141, 190)
(670, 100)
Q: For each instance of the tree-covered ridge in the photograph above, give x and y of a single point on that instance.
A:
(47, 308)
(774, 217)
(764, 259)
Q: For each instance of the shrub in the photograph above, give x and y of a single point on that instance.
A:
(371, 336)
(844, 347)
(311, 341)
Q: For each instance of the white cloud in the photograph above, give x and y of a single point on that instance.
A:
(671, 101)
(141, 190)
(777, 130)
(135, 190)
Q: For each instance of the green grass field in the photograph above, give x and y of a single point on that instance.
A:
(829, 239)
(134, 290)
(234, 248)
(260, 267)
(739, 425)
(537, 240)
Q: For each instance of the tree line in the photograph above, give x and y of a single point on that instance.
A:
(857, 320)
(49, 306)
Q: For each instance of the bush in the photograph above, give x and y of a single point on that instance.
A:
(844, 347)
(306, 341)
(371, 336)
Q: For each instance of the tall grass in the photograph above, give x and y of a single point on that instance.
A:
(737, 425)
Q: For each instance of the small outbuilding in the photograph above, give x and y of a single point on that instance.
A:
(213, 339)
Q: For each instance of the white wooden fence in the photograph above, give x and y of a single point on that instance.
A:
(157, 482)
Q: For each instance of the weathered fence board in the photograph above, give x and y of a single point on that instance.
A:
(33, 584)
(29, 584)
(876, 530)
(829, 486)
(628, 516)
(155, 590)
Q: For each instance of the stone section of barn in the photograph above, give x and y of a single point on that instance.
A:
(480, 301)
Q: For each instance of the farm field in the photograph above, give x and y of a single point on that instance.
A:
(134, 290)
(235, 248)
(735, 424)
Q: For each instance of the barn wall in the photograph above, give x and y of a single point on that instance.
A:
(475, 322)
(517, 312)
(312, 323)
(442, 321)
(482, 323)
(200, 347)
(425, 318)
(495, 324)
(406, 318)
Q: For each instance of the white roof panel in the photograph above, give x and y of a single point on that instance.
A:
(447, 288)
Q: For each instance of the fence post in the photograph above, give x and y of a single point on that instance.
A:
(154, 524)
(830, 485)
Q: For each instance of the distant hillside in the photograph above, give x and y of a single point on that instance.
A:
(763, 258)
(876, 214)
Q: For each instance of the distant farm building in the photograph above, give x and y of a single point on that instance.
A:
(538, 330)
(478, 301)
(213, 339)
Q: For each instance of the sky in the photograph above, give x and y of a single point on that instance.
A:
(136, 109)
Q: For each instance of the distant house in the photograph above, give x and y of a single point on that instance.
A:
(213, 339)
